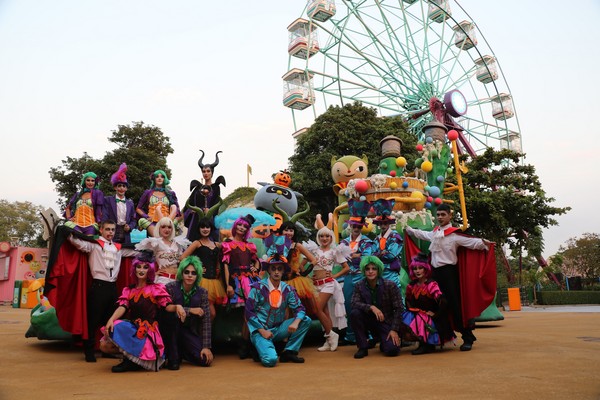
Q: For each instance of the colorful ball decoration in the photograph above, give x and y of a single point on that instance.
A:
(362, 198)
(438, 201)
(427, 166)
(452, 135)
(433, 153)
(392, 173)
(434, 191)
(419, 147)
(429, 199)
(427, 187)
(401, 162)
(361, 186)
(383, 166)
(417, 195)
(418, 162)
(405, 184)
(440, 179)
(429, 139)
(449, 170)
(393, 185)
(427, 204)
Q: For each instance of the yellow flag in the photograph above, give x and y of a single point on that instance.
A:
(249, 169)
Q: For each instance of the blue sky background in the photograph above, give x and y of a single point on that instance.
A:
(209, 75)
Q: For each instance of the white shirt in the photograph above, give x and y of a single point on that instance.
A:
(121, 211)
(104, 262)
(443, 248)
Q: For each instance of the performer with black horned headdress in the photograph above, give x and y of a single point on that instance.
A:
(203, 197)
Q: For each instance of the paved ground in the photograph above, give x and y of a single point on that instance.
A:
(530, 355)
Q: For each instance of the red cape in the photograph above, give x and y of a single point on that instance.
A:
(68, 279)
(477, 275)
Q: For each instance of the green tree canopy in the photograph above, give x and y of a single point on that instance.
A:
(580, 256)
(506, 202)
(21, 219)
(143, 147)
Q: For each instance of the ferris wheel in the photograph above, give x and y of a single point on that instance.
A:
(403, 57)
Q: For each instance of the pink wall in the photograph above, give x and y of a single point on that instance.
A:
(23, 263)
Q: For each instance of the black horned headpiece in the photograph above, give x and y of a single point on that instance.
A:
(211, 166)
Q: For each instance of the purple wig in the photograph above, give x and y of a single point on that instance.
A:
(421, 261)
(144, 258)
(247, 221)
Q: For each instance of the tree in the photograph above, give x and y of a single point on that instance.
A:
(580, 256)
(506, 203)
(349, 130)
(143, 147)
(21, 220)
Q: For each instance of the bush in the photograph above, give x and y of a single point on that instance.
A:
(568, 297)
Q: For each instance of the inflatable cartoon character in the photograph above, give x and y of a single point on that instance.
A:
(343, 170)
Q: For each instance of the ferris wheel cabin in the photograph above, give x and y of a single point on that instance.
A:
(320, 10)
(487, 70)
(439, 10)
(502, 106)
(297, 89)
(303, 39)
(464, 36)
(512, 141)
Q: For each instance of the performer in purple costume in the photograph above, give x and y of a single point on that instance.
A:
(120, 209)
(84, 210)
(190, 337)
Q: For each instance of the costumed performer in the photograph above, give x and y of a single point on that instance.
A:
(328, 255)
(120, 209)
(84, 210)
(240, 268)
(157, 202)
(468, 282)
(190, 339)
(209, 253)
(166, 248)
(266, 308)
(138, 336)
(376, 309)
(204, 196)
(301, 263)
(426, 317)
(104, 263)
(388, 244)
(361, 246)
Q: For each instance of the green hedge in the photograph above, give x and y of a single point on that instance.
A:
(568, 297)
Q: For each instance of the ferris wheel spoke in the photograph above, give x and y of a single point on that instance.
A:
(379, 51)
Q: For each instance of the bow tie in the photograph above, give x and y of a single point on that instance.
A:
(121, 201)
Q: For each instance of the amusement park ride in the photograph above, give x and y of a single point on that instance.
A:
(425, 60)
(404, 57)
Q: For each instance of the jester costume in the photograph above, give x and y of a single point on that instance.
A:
(84, 214)
(239, 257)
(138, 337)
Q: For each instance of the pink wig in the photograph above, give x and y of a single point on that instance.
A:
(242, 221)
(143, 258)
(421, 261)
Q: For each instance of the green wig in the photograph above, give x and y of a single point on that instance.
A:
(366, 260)
(186, 262)
(89, 175)
(155, 174)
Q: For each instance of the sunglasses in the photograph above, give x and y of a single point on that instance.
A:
(187, 272)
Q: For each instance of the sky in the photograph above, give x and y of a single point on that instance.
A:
(209, 75)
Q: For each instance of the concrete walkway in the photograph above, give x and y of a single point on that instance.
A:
(533, 354)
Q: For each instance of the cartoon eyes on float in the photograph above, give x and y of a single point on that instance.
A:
(279, 191)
